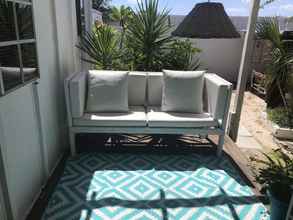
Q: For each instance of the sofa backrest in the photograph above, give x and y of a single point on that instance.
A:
(137, 82)
(155, 86)
(145, 89)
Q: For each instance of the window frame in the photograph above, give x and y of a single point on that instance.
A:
(18, 43)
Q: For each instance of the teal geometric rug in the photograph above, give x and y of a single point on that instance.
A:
(145, 186)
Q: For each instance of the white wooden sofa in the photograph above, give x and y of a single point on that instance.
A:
(145, 117)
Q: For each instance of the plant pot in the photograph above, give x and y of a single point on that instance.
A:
(278, 208)
(282, 133)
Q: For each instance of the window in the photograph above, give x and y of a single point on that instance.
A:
(18, 56)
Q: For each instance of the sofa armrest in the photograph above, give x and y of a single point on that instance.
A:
(75, 91)
(217, 97)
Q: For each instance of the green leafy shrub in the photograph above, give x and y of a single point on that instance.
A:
(276, 174)
(102, 47)
(280, 116)
(144, 43)
(181, 56)
(278, 70)
(147, 36)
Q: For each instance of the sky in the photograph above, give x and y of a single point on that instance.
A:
(233, 7)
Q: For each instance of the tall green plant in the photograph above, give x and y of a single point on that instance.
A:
(122, 15)
(278, 70)
(148, 35)
(102, 47)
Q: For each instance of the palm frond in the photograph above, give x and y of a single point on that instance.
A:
(101, 46)
(147, 34)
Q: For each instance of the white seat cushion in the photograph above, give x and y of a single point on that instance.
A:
(135, 117)
(158, 118)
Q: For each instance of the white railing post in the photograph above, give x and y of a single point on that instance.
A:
(244, 70)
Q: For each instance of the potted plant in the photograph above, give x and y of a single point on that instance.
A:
(276, 175)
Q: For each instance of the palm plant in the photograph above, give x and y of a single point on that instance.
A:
(279, 69)
(99, 4)
(123, 15)
(102, 6)
(101, 46)
(147, 35)
(267, 2)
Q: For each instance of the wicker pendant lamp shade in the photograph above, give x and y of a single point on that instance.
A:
(207, 20)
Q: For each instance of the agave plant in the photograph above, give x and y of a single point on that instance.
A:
(279, 70)
(102, 47)
(147, 35)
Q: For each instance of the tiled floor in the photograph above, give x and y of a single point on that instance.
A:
(152, 186)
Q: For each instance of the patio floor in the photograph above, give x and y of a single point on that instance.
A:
(153, 185)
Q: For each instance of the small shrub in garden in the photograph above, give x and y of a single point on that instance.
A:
(280, 116)
(181, 56)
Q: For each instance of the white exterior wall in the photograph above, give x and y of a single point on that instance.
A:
(21, 149)
(28, 144)
(96, 16)
(221, 56)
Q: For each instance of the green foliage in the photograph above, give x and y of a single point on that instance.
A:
(100, 4)
(103, 6)
(266, 2)
(102, 47)
(276, 174)
(181, 56)
(147, 35)
(280, 116)
(278, 71)
(122, 14)
(144, 44)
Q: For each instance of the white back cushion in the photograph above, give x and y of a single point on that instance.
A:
(107, 91)
(137, 88)
(155, 86)
(183, 91)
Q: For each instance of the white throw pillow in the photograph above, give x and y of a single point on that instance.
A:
(107, 91)
(183, 91)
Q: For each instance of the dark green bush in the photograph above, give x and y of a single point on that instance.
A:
(280, 116)
(181, 56)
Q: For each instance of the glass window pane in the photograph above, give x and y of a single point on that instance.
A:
(25, 21)
(9, 67)
(29, 60)
(7, 27)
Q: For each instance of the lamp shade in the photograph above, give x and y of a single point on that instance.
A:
(207, 20)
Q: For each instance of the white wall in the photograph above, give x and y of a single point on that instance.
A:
(21, 149)
(29, 144)
(221, 56)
